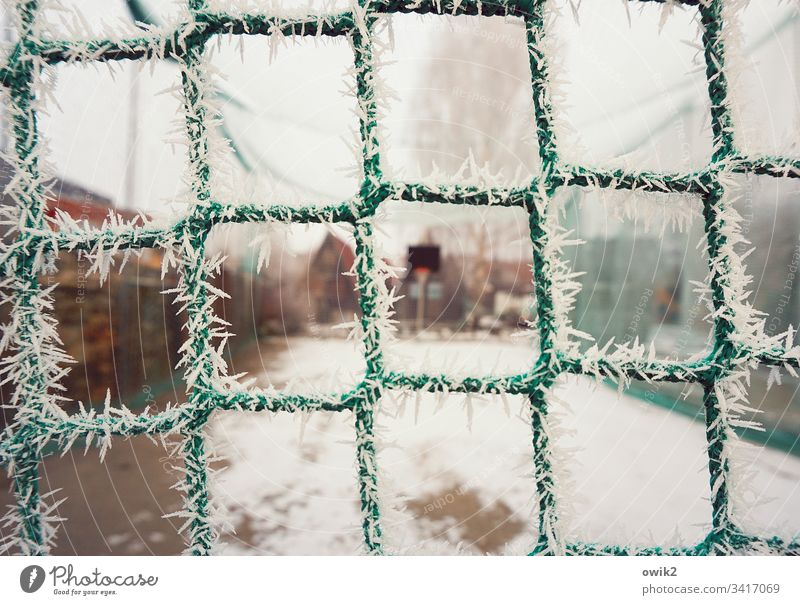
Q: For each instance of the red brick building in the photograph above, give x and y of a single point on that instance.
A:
(123, 335)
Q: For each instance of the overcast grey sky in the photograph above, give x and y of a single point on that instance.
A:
(621, 82)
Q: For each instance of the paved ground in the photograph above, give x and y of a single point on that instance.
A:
(454, 473)
(118, 508)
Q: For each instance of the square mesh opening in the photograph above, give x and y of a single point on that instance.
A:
(633, 89)
(135, 480)
(288, 114)
(637, 258)
(457, 472)
(123, 334)
(288, 318)
(462, 108)
(118, 134)
(288, 483)
(477, 315)
(658, 492)
(765, 93)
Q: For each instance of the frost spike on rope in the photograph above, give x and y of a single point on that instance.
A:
(34, 362)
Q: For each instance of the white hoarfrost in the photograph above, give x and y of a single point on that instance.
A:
(472, 460)
(635, 473)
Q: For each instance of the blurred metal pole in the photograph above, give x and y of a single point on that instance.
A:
(794, 316)
(133, 133)
(5, 39)
(422, 282)
(796, 37)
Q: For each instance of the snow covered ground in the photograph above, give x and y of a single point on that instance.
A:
(631, 472)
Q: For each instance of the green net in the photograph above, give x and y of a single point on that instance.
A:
(33, 358)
